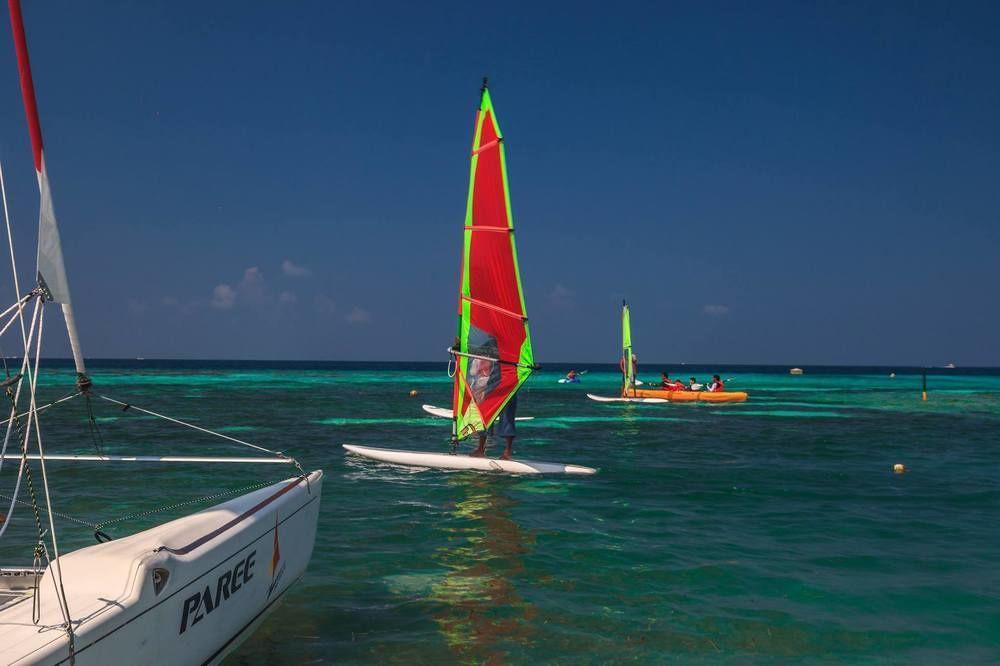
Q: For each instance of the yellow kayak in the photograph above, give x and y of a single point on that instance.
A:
(688, 396)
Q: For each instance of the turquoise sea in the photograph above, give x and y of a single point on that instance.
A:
(773, 531)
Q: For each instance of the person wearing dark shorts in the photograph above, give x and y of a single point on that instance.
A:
(503, 427)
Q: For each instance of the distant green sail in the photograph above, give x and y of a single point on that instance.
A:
(493, 345)
(627, 360)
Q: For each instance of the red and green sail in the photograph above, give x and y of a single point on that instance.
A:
(493, 345)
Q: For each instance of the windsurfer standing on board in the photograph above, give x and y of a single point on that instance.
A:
(483, 377)
(504, 427)
(635, 367)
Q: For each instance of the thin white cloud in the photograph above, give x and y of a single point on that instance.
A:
(562, 296)
(251, 290)
(223, 297)
(287, 298)
(291, 269)
(716, 310)
(358, 315)
(137, 306)
(251, 276)
(187, 307)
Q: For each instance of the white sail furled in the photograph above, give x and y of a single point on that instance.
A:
(51, 267)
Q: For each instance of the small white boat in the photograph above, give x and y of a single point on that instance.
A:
(465, 462)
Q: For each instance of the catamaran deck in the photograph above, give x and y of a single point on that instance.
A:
(17, 584)
(186, 591)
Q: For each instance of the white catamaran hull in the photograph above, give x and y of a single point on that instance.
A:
(650, 401)
(224, 569)
(444, 413)
(464, 462)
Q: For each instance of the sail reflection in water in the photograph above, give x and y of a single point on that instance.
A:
(480, 609)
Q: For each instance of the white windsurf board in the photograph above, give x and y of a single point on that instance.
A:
(461, 461)
(648, 401)
(445, 413)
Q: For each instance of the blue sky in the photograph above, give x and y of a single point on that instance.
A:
(766, 183)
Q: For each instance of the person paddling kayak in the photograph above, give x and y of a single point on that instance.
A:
(504, 427)
(669, 384)
(717, 385)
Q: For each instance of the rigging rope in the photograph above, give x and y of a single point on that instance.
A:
(279, 454)
(14, 317)
(22, 301)
(25, 368)
(65, 398)
(64, 516)
(13, 264)
(57, 579)
(178, 505)
(98, 526)
(95, 431)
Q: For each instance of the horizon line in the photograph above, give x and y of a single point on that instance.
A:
(655, 365)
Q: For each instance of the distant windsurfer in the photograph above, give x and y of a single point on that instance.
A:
(635, 366)
(504, 427)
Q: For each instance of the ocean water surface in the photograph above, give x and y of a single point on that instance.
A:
(769, 531)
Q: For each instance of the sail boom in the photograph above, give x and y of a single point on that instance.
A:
(497, 230)
(495, 308)
(495, 360)
(487, 146)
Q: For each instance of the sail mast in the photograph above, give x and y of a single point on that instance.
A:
(628, 381)
(51, 273)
